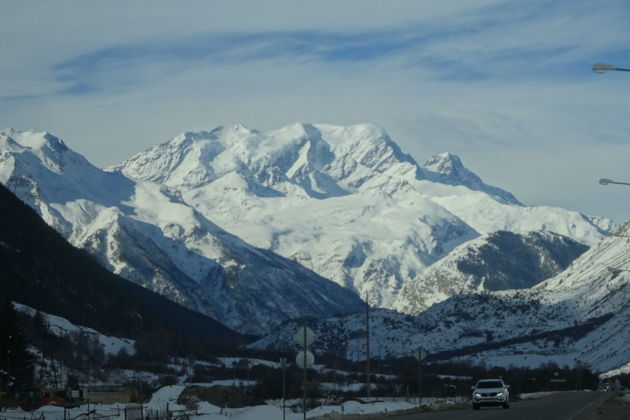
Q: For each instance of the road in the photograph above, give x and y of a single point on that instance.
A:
(560, 406)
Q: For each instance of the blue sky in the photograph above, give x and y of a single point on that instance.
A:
(507, 85)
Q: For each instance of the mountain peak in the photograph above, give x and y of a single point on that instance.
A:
(34, 150)
(448, 168)
(446, 163)
(236, 130)
(36, 140)
(344, 201)
(319, 160)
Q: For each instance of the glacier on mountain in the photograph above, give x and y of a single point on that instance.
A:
(344, 201)
(247, 226)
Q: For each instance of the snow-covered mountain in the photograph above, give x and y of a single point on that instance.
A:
(144, 232)
(207, 218)
(579, 316)
(499, 261)
(345, 202)
(61, 327)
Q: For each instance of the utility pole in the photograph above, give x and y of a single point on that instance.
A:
(420, 383)
(9, 361)
(304, 336)
(304, 370)
(367, 342)
(420, 355)
(283, 362)
(8, 366)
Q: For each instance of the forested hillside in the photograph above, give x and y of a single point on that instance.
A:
(40, 269)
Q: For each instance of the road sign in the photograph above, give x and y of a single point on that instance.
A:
(310, 359)
(420, 354)
(310, 336)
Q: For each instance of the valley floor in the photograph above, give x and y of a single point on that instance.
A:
(163, 405)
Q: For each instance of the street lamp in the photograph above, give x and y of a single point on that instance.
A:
(9, 359)
(603, 68)
(606, 181)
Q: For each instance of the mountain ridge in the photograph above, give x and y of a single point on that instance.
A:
(208, 217)
(579, 316)
(44, 271)
(144, 232)
(329, 197)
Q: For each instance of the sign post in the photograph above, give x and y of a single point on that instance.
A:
(304, 359)
(420, 355)
(283, 363)
(557, 380)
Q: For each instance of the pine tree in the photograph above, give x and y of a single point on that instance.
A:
(16, 363)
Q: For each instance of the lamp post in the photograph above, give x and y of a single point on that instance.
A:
(602, 68)
(606, 181)
(9, 359)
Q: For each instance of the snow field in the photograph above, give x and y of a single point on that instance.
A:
(167, 397)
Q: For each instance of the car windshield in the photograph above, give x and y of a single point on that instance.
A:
(490, 384)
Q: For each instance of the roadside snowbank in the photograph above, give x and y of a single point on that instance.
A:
(167, 397)
(534, 395)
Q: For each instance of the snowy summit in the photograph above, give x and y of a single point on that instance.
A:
(254, 227)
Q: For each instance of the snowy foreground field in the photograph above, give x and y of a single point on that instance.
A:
(166, 398)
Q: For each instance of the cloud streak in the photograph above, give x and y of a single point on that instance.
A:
(494, 81)
(506, 42)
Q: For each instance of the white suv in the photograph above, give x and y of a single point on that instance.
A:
(490, 392)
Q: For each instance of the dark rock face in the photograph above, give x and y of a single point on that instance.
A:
(512, 261)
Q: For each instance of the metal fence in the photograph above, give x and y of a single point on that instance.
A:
(82, 413)
(132, 412)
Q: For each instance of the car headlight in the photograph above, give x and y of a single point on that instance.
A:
(477, 394)
(499, 394)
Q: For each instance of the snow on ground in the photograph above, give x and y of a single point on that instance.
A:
(205, 408)
(121, 376)
(231, 361)
(61, 327)
(625, 369)
(270, 412)
(110, 411)
(167, 395)
(348, 387)
(355, 407)
(522, 360)
(457, 378)
(224, 382)
(534, 395)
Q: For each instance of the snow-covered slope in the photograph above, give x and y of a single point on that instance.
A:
(344, 201)
(448, 168)
(581, 315)
(61, 327)
(499, 261)
(143, 231)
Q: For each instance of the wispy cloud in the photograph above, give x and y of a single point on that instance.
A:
(127, 63)
(508, 41)
(487, 79)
